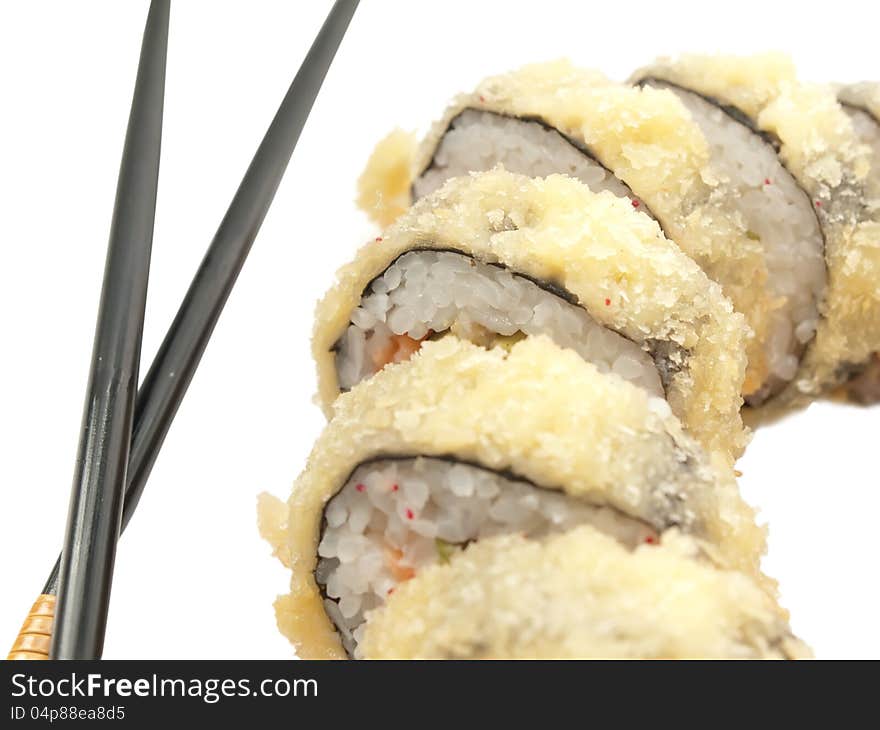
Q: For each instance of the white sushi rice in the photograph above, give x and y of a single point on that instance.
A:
(439, 291)
(477, 141)
(394, 517)
(759, 188)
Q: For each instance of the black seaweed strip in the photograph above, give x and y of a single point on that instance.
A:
(775, 143)
(535, 119)
(550, 287)
(452, 459)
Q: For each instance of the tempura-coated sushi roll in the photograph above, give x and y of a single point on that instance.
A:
(640, 144)
(461, 443)
(580, 594)
(862, 103)
(755, 114)
(496, 256)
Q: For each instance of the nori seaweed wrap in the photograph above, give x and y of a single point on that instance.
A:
(862, 103)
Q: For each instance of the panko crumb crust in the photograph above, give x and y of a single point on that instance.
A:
(580, 594)
(614, 260)
(537, 411)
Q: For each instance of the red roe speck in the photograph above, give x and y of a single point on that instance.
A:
(635, 204)
(360, 487)
(409, 514)
(607, 302)
(395, 487)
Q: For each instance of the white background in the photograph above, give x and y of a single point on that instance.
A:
(193, 579)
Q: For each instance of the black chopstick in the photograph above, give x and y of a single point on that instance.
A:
(95, 512)
(165, 385)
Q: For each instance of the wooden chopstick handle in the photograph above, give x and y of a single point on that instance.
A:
(36, 632)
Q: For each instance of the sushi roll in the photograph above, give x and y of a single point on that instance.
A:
(862, 103)
(793, 153)
(460, 444)
(495, 257)
(641, 145)
(580, 594)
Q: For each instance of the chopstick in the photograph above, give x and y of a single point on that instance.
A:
(94, 516)
(165, 385)
(173, 368)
